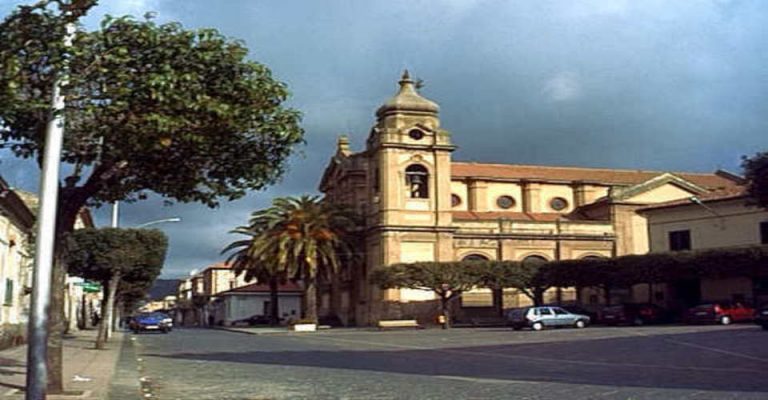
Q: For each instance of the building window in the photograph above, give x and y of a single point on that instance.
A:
(416, 134)
(558, 204)
(680, 240)
(8, 292)
(455, 200)
(376, 180)
(417, 179)
(505, 202)
(534, 260)
(764, 232)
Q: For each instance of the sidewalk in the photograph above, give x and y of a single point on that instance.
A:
(88, 372)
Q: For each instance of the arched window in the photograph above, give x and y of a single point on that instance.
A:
(534, 260)
(417, 180)
(475, 257)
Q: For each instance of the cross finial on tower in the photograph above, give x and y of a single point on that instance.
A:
(406, 78)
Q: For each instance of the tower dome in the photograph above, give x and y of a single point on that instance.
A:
(407, 100)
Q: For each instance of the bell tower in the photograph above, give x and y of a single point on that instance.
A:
(409, 167)
(410, 162)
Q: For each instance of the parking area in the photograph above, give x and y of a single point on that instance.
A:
(664, 362)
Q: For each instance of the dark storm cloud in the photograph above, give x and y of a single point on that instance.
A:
(625, 84)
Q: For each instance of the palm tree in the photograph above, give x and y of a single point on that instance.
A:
(300, 237)
(247, 259)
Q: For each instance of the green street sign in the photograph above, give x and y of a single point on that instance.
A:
(89, 287)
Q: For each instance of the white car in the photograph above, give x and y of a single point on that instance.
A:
(538, 318)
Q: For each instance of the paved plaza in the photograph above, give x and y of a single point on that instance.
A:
(670, 362)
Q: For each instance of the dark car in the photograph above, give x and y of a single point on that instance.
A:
(761, 316)
(719, 313)
(258, 319)
(634, 314)
(151, 322)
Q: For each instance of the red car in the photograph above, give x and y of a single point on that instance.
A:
(720, 313)
(634, 314)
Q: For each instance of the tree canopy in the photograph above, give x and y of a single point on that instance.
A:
(97, 254)
(756, 173)
(150, 107)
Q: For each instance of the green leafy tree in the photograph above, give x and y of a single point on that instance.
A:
(528, 278)
(756, 173)
(149, 108)
(300, 237)
(115, 257)
(448, 280)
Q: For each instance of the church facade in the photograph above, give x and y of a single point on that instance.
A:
(421, 205)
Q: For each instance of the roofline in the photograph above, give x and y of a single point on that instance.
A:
(571, 167)
(678, 203)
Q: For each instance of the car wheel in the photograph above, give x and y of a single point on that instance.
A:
(517, 327)
(580, 324)
(638, 321)
(725, 320)
(537, 326)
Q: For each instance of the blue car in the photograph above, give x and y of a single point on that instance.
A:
(151, 322)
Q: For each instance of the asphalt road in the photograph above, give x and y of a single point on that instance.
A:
(674, 362)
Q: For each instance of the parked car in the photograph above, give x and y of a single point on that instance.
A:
(719, 312)
(634, 314)
(593, 314)
(538, 318)
(151, 322)
(761, 316)
(258, 319)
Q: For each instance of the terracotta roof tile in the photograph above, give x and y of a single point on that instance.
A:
(288, 287)
(596, 175)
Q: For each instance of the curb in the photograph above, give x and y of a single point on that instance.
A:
(125, 380)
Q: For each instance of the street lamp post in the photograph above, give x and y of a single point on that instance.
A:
(37, 351)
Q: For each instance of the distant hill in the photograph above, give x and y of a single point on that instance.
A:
(162, 288)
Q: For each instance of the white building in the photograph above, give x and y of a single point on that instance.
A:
(246, 301)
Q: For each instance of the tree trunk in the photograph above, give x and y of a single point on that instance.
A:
(445, 312)
(498, 301)
(650, 293)
(607, 295)
(335, 295)
(55, 357)
(274, 297)
(106, 320)
(101, 336)
(538, 296)
(310, 299)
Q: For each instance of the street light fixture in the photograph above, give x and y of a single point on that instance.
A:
(697, 201)
(158, 221)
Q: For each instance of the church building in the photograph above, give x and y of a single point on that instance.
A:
(421, 205)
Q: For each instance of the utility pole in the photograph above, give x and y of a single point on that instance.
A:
(108, 319)
(37, 350)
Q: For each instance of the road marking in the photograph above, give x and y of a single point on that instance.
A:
(487, 380)
(708, 348)
(539, 359)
